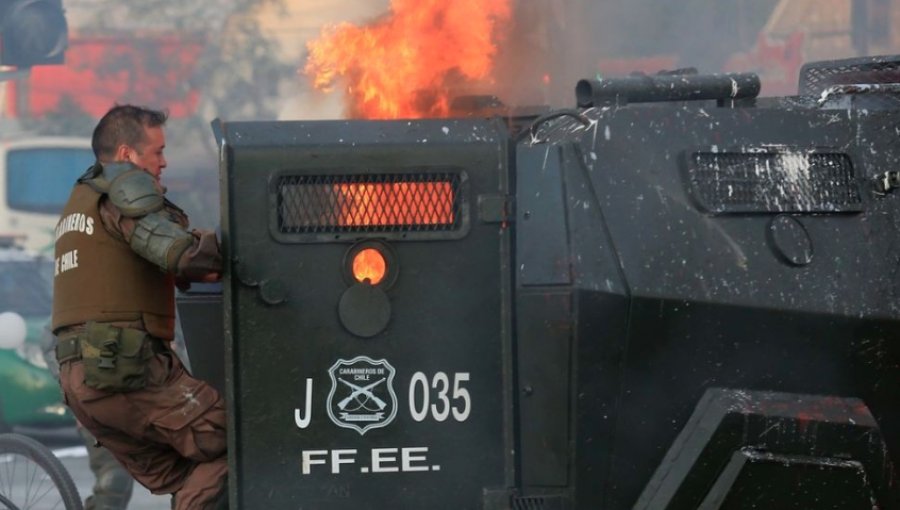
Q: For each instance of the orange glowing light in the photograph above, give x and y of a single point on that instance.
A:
(396, 204)
(369, 264)
(406, 64)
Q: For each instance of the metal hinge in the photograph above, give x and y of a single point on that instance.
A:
(496, 208)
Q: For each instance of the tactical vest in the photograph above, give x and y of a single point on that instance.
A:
(99, 278)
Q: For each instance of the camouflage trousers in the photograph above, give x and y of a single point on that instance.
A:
(170, 435)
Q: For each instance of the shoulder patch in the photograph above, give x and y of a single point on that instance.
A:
(135, 193)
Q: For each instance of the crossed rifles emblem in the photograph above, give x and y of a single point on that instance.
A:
(371, 403)
(362, 391)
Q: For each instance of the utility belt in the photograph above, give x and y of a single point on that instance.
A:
(115, 359)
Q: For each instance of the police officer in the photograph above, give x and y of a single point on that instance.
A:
(113, 486)
(121, 247)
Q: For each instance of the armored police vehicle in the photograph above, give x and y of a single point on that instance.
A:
(677, 295)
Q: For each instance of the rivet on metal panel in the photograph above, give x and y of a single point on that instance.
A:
(272, 292)
(242, 273)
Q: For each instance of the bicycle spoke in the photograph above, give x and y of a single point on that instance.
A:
(32, 478)
(47, 485)
(9, 470)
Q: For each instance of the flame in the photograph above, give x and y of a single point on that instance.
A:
(370, 265)
(405, 64)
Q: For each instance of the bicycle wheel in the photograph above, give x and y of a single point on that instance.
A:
(32, 478)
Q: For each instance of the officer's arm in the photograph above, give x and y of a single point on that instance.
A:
(202, 261)
(146, 226)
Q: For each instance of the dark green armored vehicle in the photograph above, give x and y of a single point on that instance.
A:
(675, 296)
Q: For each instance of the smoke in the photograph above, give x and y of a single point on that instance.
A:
(556, 43)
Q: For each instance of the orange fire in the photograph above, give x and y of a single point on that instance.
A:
(405, 64)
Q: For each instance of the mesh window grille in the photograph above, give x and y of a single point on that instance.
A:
(878, 74)
(816, 77)
(326, 204)
(774, 182)
(538, 503)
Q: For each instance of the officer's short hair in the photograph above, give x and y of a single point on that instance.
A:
(123, 124)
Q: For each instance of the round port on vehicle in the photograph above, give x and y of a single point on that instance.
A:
(369, 266)
(371, 263)
(364, 310)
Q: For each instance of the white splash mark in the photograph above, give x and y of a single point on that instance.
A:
(834, 119)
(839, 90)
(734, 88)
(190, 400)
(595, 125)
(606, 133)
(772, 427)
(446, 130)
(795, 165)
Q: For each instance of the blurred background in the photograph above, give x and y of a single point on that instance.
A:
(315, 59)
(63, 63)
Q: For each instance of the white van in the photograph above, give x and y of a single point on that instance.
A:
(36, 177)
